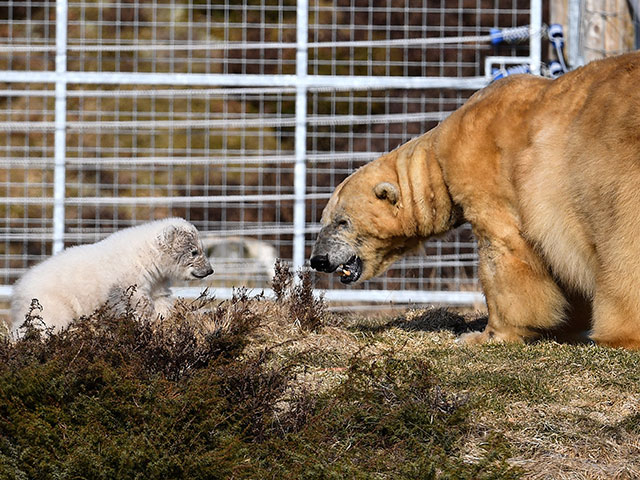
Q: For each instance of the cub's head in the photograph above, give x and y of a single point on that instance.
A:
(363, 226)
(382, 211)
(180, 243)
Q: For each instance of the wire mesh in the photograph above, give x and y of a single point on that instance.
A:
(223, 155)
(446, 264)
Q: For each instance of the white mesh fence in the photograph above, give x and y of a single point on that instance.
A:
(241, 116)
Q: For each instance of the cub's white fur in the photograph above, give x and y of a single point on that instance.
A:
(80, 279)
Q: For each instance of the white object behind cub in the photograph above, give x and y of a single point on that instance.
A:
(80, 279)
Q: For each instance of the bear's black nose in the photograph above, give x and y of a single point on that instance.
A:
(320, 263)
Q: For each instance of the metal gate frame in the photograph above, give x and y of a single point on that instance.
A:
(301, 81)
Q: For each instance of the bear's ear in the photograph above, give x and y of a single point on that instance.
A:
(387, 191)
(167, 237)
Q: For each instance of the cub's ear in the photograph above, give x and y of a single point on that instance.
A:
(387, 191)
(167, 236)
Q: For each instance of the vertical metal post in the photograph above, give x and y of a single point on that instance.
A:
(300, 170)
(634, 10)
(60, 140)
(535, 38)
(576, 59)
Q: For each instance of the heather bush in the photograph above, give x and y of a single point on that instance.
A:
(125, 397)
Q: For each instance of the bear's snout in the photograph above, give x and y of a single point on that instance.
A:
(321, 263)
(202, 272)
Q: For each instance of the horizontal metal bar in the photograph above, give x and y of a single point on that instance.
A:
(99, 162)
(279, 160)
(489, 61)
(160, 200)
(212, 45)
(186, 92)
(143, 47)
(45, 234)
(376, 296)
(226, 123)
(114, 125)
(348, 82)
(173, 93)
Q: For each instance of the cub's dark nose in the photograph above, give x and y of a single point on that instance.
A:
(202, 273)
(321, 263)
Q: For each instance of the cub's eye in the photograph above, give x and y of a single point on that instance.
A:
(194, 253)
(343, 223)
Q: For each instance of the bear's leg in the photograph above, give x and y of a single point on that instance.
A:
(578, 319)
(616, 321)
(522, 297)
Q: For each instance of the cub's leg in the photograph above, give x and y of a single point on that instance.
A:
(163, 305)
(522, 297)
(122, 300)
(55, 312)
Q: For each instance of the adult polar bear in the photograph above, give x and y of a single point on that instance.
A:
(548, 174)
(80, 279)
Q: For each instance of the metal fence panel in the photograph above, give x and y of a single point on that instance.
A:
(241, 116)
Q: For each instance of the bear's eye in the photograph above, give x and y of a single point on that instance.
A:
(194, 253)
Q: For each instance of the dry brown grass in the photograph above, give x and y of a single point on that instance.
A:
(567, 411)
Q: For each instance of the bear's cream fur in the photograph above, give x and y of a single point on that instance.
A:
(548, 174)
(80, 279)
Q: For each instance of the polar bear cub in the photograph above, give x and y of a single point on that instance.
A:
(80, 279)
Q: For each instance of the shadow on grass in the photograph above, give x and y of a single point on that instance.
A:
(572, 332)
(434, 320)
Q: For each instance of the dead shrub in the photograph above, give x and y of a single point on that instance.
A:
(305, 309)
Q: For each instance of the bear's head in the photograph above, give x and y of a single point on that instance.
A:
(181, 243)
(382, 211)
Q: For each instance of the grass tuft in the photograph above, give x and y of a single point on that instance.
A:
(305, 309)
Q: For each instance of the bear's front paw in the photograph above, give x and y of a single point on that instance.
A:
(493, 336)
(476, 338)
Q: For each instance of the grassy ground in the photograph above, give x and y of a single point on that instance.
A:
(252, 388)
